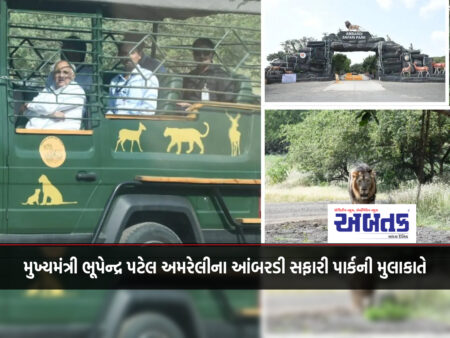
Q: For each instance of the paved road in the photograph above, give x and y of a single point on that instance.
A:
(277, 213)
(355, 91)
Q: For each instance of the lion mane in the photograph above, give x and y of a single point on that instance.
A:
(362, 185)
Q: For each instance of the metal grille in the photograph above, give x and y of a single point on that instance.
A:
(35, 43)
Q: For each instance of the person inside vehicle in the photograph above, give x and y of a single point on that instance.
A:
(207, 82)
(59, 106)
(134, 92)
(73, 49)
(146, 61)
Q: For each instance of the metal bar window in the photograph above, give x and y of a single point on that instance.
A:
(37, 40)
(168, 52)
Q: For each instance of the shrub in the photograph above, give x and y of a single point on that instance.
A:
(278, 172)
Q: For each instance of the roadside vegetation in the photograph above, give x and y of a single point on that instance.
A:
(309, 157)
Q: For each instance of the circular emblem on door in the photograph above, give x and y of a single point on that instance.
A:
(302, 55)
(53, 152)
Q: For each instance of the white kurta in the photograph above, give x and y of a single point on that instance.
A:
(69, 100)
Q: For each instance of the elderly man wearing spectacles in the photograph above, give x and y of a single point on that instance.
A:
(58, 106)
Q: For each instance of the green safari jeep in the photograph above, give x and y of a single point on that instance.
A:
(179, 175)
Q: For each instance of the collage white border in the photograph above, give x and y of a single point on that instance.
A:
(332, 106)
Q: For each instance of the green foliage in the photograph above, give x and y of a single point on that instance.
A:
(365, 116)
(279, 171)
(275, 141)
(438, 59)
(341, 63)
(48, 32)
(357, 68)
(328, 143)
(275, 56)
(370, 64)
(388, 310)
(238, 37)
(433, 207)
(291, 46)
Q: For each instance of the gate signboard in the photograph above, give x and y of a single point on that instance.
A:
(356, 36)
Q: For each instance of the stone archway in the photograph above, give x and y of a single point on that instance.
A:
(315, 61)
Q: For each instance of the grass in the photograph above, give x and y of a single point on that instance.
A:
(388, 311)
(285, 193)
(297, 188)
(414, 304)
(433, 209)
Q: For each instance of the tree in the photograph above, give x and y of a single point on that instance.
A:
(291, 46)
(438, 59)
(326, 142)
(341, 63)
(274, 56)
(370, 64)
(402, 146)
(276, 120)
(357, 68)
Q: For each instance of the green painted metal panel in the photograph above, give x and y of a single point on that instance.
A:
(173, 144)
(26, 307)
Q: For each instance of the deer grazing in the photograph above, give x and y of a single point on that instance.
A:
(130, 135)
(422, 69)
(439, 68)
(234, 135)
(406, 70)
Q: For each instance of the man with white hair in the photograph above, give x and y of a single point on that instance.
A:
(59, 106)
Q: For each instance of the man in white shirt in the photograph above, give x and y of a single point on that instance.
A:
(59, 106)
(134, 92)
(73, 49)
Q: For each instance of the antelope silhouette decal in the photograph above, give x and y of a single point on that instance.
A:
(130, 135)
(235, 135)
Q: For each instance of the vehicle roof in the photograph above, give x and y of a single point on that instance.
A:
(144, 9)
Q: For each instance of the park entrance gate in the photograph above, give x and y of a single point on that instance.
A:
(315, 61)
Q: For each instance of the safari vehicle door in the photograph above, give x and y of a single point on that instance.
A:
(209, 153)
(52, 174)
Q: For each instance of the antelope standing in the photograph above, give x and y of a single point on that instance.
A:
(438, 67)
(130, 135)
(234, 135)
(406, 69)
(422, 69)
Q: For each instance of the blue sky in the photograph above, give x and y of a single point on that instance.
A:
(420, 22)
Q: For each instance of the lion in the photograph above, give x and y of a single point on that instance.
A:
(351, 27)
(362, 185)
(178, 136)
(33, 199)
(362, 189)
(51, 194)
